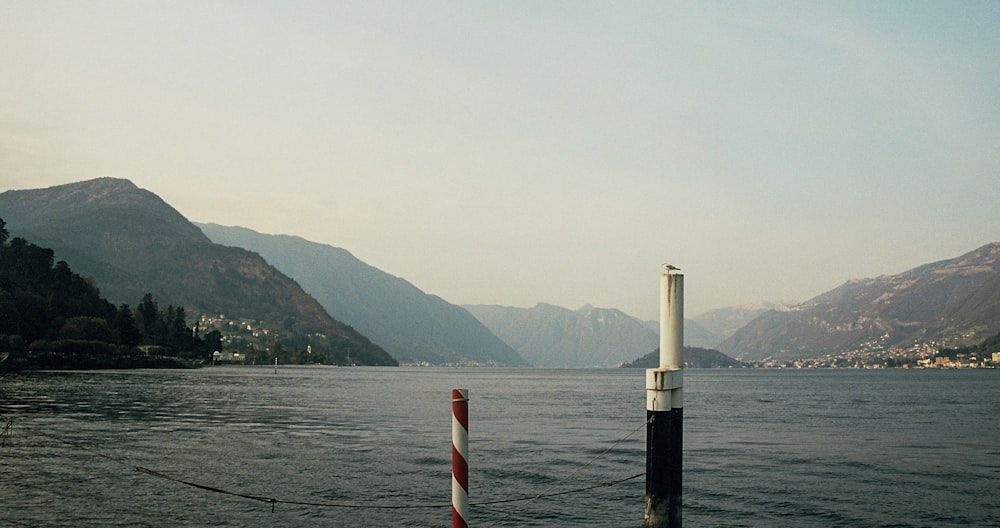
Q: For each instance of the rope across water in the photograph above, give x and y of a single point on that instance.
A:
(8, 428)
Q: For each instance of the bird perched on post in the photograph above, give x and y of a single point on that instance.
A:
(670, 267)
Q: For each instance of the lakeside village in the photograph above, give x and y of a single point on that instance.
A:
(251, 342)
(874, 355)
(244, 340)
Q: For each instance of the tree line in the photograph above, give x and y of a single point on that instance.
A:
(47, 308)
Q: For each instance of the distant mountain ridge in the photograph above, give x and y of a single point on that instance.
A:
(952, 302)
(695, 333)
(709, 329)
(412, 325)
(724, 322)
(553, 336)
(132, 242)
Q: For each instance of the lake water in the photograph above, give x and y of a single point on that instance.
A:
(372, 447)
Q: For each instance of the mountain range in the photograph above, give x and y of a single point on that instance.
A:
(413, 326)
(953, 302)
(416, 327)
(552, 336)
(132, 243)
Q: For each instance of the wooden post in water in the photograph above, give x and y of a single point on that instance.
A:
(459, 458)
(665, 410)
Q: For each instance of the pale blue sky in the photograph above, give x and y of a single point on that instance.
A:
(521, 152)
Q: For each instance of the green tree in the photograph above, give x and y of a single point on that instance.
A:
(149, 321)
(177, 326)
(86, 328)
(10, 318)
(24, 264)
(179, 336)
(72, 295)
(125, 329)
(213, 342)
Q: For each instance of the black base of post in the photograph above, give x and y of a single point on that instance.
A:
(664, 446)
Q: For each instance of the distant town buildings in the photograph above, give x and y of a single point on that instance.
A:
(923, 355)
(244, 340)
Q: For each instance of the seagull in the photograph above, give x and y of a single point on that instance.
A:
(670, 267)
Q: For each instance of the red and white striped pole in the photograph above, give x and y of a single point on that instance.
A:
(459, 458)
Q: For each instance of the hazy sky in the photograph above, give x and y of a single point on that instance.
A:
(521, 152)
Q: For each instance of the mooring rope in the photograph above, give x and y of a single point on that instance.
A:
(273, 501)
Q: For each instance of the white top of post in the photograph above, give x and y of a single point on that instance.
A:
(671, 319)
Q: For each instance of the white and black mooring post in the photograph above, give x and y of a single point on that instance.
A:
(665, 410)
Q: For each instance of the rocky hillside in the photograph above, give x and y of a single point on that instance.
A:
(412, 325)
(132, 242)
(953, 302)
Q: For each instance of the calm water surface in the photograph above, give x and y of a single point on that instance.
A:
(762, 448)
